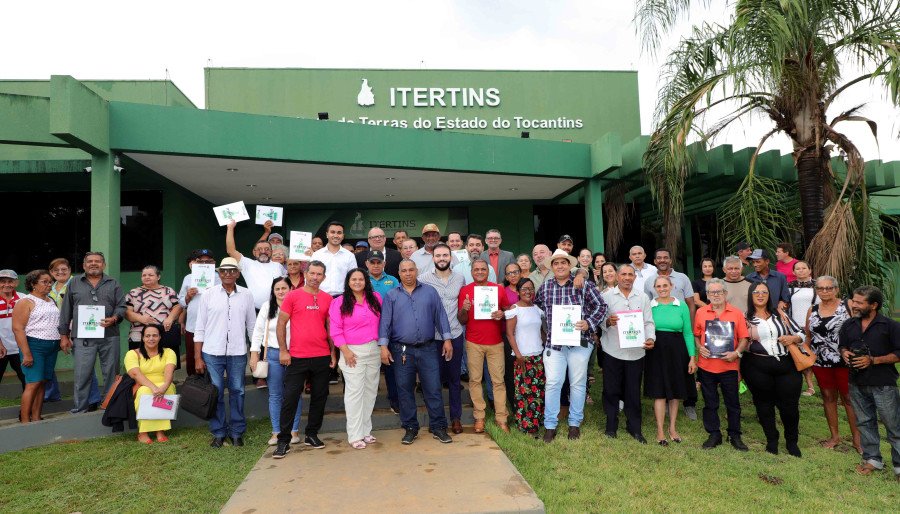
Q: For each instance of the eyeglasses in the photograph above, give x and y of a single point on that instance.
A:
(760, 293)
(714, 293)
(515, 272)
(825, 288)
(228, 271)
(376, 237)
(94, 295)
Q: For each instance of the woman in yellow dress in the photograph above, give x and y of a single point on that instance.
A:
(153, 371)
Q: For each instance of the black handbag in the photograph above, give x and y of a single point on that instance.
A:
(199, 396)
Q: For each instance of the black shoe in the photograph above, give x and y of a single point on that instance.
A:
(794, 450)
(610, 434)
(772, 447)
(411, 435)
(217, 442)
(639, 437)
(314, 441)
(282, 450)
(464, 377)
(441, 435)
(574, 433)
(237, 441)
(738, 444)
(714, 439)
(549, 435)
(395, 408)
(93, 407)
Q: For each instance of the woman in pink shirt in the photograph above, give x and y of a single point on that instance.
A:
(353, 324)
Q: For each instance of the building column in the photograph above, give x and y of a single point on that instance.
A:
(593, 213)
(688, 243)
(106, 201)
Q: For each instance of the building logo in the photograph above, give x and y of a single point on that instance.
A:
(365, 97)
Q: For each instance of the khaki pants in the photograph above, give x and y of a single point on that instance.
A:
(477, 353)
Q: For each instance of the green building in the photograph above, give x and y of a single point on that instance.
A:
(133, 168)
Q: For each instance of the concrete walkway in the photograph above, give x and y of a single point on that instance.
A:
(471, 474)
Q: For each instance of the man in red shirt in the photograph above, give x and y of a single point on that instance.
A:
(311, 356)
(484, 341)
(784, 253)
(721, 371)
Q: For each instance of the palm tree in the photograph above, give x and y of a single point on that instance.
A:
(784, 60)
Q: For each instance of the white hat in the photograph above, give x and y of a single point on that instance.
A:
(562, 253)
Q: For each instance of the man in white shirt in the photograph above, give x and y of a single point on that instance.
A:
(258, 274)
(338, 260)
(642, 269)
(225, 323)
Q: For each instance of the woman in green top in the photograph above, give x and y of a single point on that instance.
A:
(671, 357)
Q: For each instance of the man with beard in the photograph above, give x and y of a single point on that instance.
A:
(448, 285)
(475, 247)
(258, 274)
(869, 343)
(94, 287)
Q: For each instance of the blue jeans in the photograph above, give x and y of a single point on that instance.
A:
(571, 361)
(220, 368)
(53, 394)
(870, 404)
(276, 392)
(424, 360)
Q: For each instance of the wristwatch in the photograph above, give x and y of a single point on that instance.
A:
(740, 353)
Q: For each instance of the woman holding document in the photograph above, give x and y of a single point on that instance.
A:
(666, 363)
(524, 322)
(769, 369)
(152, 367)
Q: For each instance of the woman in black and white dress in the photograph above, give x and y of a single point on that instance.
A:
(769, 371)
(803, 296)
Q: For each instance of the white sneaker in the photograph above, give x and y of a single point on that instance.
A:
(295, 439)
(273, 440)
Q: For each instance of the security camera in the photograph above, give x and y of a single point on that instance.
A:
(118, 169)
(87, 169)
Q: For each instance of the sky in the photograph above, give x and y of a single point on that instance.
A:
(176, 40)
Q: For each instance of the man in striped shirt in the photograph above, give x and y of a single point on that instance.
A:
(561, 290)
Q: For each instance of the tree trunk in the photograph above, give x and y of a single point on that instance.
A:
(811, 174)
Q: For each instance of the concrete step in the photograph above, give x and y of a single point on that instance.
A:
(59, 425)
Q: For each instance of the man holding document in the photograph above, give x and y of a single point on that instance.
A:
(627, 334)
(572, 314)
(721, 336)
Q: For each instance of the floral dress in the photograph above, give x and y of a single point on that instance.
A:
(824, 334)
(528, 399)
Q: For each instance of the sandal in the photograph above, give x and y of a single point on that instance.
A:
(865, 469)
(809, 392)
(162, 439)
(369, 439)
(359, 445)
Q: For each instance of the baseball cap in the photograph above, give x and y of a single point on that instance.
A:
(431, 227)
(273, 235)
(196, 254)
(758, 254)
(8, 273)
(566, 237)
(375, 255)
(362, 244)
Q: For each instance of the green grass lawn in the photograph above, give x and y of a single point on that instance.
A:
(598, 474)
(117, 474)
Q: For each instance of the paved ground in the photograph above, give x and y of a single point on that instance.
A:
(471, 474)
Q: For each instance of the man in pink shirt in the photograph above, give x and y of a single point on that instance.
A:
(311, 356)
(784, 253)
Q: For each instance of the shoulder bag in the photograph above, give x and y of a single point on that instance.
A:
(262, 367)
(802, 353)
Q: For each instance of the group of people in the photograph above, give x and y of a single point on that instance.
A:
(411, 314)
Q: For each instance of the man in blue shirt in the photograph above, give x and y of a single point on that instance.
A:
(382, 283)
(411, 316)
(779, 296)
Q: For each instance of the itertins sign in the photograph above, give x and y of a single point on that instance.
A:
(576, 106)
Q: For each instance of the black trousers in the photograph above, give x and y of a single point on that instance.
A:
(15, 362)
(691, 399)
(709, 384)
(622, 381)
(509, 359)
(774, 383)
(316, 370)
